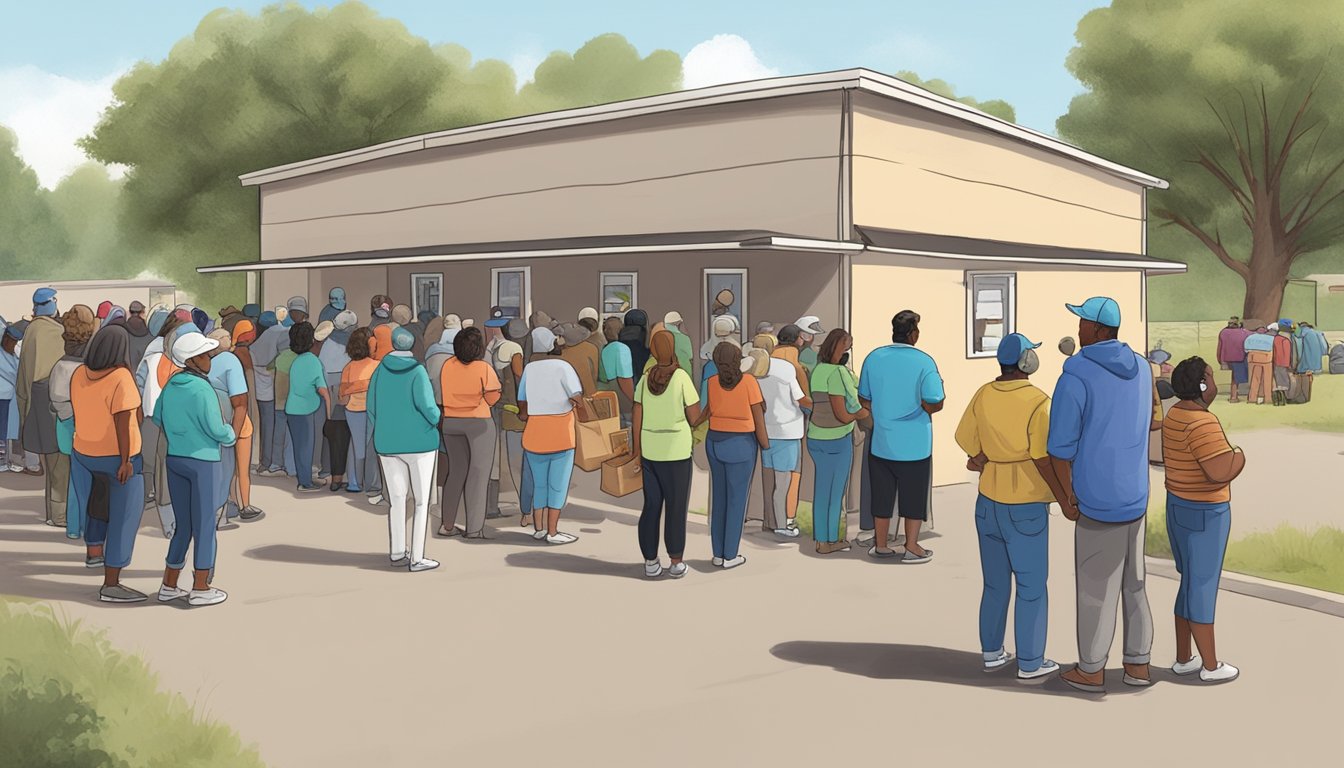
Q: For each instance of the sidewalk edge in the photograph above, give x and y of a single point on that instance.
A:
(1264, 589)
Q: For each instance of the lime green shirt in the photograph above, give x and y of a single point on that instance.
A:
(833, 380)
(665, 434)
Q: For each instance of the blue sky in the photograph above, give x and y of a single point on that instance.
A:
(57, 59)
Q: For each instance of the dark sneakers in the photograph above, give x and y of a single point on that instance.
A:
(118, 593)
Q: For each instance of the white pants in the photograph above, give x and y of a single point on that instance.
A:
(403, 472)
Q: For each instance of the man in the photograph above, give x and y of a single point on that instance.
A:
(673, 322)
(1259, 348)
(590, 319)
(335, 305)
(265, 350)
(229, 317)
(787, 400)
(10, 336)
(810, 328)
(1232, 354)
(43, 346)
(1283, 359)
(1312, 347)
(1100, 418)
(1004, 432)
(902, 387)
(583, 357)
(380, 322)
(786, 352)
(138, 328)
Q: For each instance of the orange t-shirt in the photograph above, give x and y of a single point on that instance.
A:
(381, 343)
(549, 434)
(1189, 437)
(730, 410)
(165, 372)
(95, 402)
(355, 379)
(468, 390)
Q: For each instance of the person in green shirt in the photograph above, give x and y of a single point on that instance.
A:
(307, 393)
(809, 327)
(666, 403)
(673, 322)
(835, 395)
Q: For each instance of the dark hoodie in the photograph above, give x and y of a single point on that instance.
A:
(635, 335)
(1099, 419)
(140, 338)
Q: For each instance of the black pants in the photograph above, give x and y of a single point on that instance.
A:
(905, 486)
(667, 486)
(338, 442)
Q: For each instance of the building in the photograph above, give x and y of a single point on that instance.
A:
(848, 195)
(16, 296)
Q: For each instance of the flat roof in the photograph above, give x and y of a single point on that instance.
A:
(75, 284)
(848, 79)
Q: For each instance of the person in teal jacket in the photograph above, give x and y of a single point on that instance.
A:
(188, 414)
(406, 437)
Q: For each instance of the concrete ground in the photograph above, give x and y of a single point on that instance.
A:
(515, 653)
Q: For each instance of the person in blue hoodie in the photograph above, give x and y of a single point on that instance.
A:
(1101, 414)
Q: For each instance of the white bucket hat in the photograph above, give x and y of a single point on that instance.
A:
(189, 345)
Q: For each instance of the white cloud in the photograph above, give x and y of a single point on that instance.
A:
(49, 113)
(723, 59)
(525, 66)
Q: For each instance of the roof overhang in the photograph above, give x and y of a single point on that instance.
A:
(920, 245)
(755, 90)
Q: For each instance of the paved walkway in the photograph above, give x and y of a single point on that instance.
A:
(514, 653)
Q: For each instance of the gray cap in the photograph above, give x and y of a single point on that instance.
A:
(297, 304)
(346, 320)
(574, 333)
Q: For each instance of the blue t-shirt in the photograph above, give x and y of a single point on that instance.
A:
(617, 362)
(226, 376)
(898, 380)
(1259, 342)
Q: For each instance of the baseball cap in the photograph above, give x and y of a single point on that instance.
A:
(725, 325)
(672, 318)
(297, 304)
(137, 306)
(1011, 348)
(1272, 327)
(452, 321)
(104, 309)
(189, 345)
(44, 301)
(323, 330)
(573, 333)
(588, 313)
(346, 320)
(252, 311)
(497, 318)
(810, 325)
(1098, 309)
(402, 340)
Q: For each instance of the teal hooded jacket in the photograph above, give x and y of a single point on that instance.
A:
(188, 413)
(402, 408)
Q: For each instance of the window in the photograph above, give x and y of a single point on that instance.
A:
(427, 293)
(725, 294)
(991, 311)
(511, 291)
(619, 292)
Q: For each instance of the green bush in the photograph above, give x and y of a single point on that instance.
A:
(68, 699)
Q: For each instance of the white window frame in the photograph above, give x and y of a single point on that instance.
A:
(526, 309)
(415, 294)
(705, 300)
(1009, 309)
(602, 291)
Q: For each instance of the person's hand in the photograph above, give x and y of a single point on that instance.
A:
(124, 472)
(864, 413)
(977, 463)
(1070, 510)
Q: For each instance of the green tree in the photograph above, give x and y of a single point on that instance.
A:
(30, 236)
(996, 107)
(1239, 105)
(86, 207)
(607, 68)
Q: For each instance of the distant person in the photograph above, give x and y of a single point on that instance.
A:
(79, 325)
(1100, 417)
(618, 368)
(1283, 360)
(787, 403)
(590, 319)
(1232, 355)
(198, 438)
(470, 389)
(43, 345)
(137, 326)
(10, 336)
(635, 335)
(830, 437)
(548, 393)
(406, 437)
(380, 323)
(229, 382)
(809, 327)
(335, 305)
(1005, 433)
(336, 430)
(675, 325)
(307, 396)
(263, 353)
(901, 386)
(353, 397)
(508, 362)
(584, 358)
(1201, 465)
(155, 368)
(1259, 348)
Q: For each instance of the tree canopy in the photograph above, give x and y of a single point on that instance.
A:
(30, 235)
(996, 107)
(1239, 105)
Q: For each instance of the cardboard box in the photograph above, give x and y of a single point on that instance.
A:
(600, 406)
(593, 442)
(621, 476)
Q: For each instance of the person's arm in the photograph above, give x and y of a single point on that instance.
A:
(517, 365)
(627, 386)
(967, 436)
(122, 423)
(493, 389)
(931, 390)
(239, 403)
(522, 410)
(758, 420)
(1156, 422)
(637, 424)
(841, 410)
(326, 401)
(212, 424)
(1065, 431)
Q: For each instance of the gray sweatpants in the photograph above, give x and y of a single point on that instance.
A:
(470, 445)
(1108, 560)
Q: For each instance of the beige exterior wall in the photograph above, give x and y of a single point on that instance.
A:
(937, 292)
(16, 297)
(922, 172)
(278, 286)
(771, 165)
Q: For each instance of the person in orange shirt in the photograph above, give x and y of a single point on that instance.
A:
(106, 444)
(381, 326)
(1201, 465)
(354, 392)
(735, 410)
(548, 393)
(469, 387)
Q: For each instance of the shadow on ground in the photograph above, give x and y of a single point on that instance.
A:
(293, 553)
(894, 661)
(566, 562)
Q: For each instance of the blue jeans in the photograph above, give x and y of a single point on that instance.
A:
(193, 484)
(126, 503)
(282, 446)
(301, 435)
(76, 508)
(358, 421)
(833, 459)
(1198, 532)
(732, 463)
(228, 461)
(1014, 545)
(550, 475)
(265, 432)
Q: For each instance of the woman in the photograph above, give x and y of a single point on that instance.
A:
(830, 438)
(79, 325)
(227, 375)
(354, 391)
(336, 430)
(406, 436)
(243, 335)
(618, 367)
(470, 388)
(547, 396)
(10, 335)
(635, 335)
(190, 416)
(508, 362)
(307, 393)
(665, 405)
(1201, 466)
(787, 402)
(735, 411)
(106, 405)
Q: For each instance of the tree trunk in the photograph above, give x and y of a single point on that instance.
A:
(1267, 275)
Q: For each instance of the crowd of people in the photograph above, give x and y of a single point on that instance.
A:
(1277, 362)
(121, 410)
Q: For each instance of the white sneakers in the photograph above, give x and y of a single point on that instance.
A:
(1188, 668)
(539, 535)
(1047, 668)
(736, 561)
(424, 565)
(787, 533)
(400, 561)
(653, 569)
(168, 594)
(211, 596)
(995, 661)
(718, 562)
(561, 538)
(1224, 673)
(677, 570)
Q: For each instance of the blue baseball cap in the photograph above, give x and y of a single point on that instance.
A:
(15, 330)
(1012, 347)
(402, 340)
(44, 301)
(1098, 309)
(497, 318)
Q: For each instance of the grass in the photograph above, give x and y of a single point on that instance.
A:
(1306, 558)
(68, 698)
